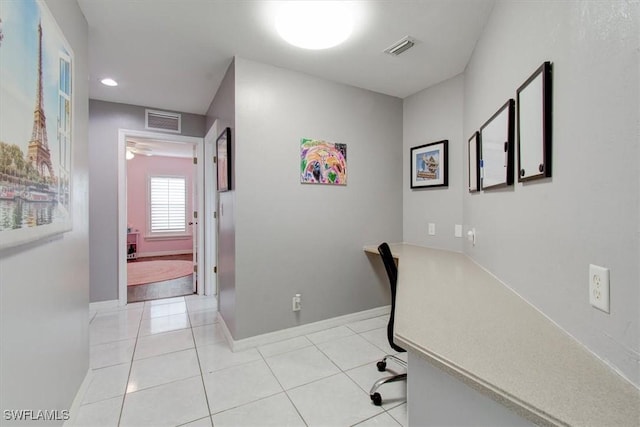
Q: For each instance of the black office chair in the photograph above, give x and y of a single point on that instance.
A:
(392, 272)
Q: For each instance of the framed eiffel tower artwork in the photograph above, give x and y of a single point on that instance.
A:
(36, 124)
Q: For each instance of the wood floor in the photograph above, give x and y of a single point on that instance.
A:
(165, 289)
(181, 257)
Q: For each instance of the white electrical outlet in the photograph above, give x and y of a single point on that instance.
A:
(471, 236)
(296, 302)
(599, 287)
(432, 229)
(457, 230)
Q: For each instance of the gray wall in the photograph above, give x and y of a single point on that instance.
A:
(105, 119)
(429, 116)
(541, 237)
(437, 398)
(223, 108)
(293, 238)
(44, 291)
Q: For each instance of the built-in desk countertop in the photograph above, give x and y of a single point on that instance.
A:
(459, 317)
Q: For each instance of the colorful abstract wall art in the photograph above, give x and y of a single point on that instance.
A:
(323, 162)
(36, 65)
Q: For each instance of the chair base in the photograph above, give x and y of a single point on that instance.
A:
(376, 398)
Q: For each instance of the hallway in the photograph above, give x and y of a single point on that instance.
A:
(166, 363)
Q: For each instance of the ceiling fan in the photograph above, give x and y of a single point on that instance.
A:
(134, 148)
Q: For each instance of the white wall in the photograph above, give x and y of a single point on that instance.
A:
(294, 238)
(44, 292)
(432, 115)
(541, 237)
(105, 119)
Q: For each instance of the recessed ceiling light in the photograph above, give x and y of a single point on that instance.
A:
(109, 82)
(315, 24)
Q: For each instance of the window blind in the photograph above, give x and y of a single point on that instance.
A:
(168, 204)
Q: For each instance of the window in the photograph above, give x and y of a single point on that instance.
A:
(168, 204)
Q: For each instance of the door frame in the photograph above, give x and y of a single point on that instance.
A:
(211, 207)
(123, 134)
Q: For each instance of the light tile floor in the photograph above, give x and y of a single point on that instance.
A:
(166, 363)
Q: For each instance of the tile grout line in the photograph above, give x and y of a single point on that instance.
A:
(135, 345)
(283, 389)
(195, 346)
(189, 312)
(172, 352)
(126, 312)
(383, 410)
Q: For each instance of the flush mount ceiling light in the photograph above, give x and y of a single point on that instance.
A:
(129, 154)
(109, 82)
(315, 24)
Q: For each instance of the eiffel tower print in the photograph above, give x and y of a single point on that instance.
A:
(35, 161)
(38, 153)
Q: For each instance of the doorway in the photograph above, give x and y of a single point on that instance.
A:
(141, 240)
(161, 233)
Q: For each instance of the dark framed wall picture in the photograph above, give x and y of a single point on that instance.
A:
(223, 156)
(474, 163)
(496, 148)
(429, 165)
(534, 125)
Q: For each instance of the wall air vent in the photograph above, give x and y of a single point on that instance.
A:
(400, 46)
(163, 120)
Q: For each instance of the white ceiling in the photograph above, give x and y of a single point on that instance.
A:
(172, 55)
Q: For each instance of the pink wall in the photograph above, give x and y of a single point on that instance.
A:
(138, 171)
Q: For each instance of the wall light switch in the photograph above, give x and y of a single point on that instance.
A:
(432, 229)
(458, 230)
(599, 287)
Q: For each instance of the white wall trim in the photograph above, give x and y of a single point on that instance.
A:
(122, 199)
(297, 331)
(104, 305)
(164, 253)
(225, 330)
(211, 206)
(77, 401)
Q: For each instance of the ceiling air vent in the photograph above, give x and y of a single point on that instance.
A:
(400, 46)
(163, 120)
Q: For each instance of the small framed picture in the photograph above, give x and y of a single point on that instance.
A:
(429, 167)
(223, 156)
(474, 163)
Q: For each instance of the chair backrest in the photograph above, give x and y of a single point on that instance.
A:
(392, 272)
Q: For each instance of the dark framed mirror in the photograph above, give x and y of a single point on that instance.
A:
(473, 155)
(223, 160)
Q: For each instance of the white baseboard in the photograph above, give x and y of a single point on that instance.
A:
(296, 331)
(77, 401)
(104, 305)
(164, 253)
(225, 330)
